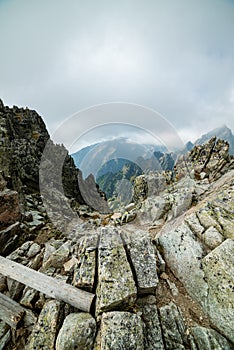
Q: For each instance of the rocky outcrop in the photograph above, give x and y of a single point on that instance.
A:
(77, 332)
(199, 250)
(223, 133)
(161, 268)
(44, 333)
(210, 160)
(27, 155)
(116, 287)
(121, 330)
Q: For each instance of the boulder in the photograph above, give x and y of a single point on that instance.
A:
(116, 287)
(152, 327)
(77, 332)
(142, 254)
(121, 330)
(44, 333)
(173, 327)
(84, 271)
(209, 339)
(218, 267)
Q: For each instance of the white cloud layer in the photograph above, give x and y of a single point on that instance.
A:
(176, 57)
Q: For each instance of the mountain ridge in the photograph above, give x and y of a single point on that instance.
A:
(160, 269)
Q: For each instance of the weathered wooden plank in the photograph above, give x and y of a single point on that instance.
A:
(50, 286)
(10, 311)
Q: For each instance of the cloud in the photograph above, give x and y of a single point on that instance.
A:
(174, 57)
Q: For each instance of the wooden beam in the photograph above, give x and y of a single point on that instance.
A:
(50, 286)
(10, 311)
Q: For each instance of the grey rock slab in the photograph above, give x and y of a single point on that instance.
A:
(174, 331)
(77, 332)
(152, 328)
(218, 268)
(209, 339)
(85, 270)
(207, 219)
(60, 256)
(44, 333)
(153, 209)
(116, 286)
(28, 297)
(33, 250)
(7, 235)
(182, 200)
(183, 254)
(212, 237)
(143, 257)
(226, 221)
(121, 331)
(195, 226)
(156, 183)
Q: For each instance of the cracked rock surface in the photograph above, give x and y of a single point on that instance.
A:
(161, 269)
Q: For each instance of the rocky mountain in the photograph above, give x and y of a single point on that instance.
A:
(223, 133)
(121, 145)
(23, 137)
(110, 174)
(120, 159)
(157, 274)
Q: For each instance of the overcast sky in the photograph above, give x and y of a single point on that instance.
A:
(176, 57)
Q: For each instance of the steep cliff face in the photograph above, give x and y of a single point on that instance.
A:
(23, 138)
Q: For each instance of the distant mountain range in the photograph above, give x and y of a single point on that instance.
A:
(120, 159)
(111, 161)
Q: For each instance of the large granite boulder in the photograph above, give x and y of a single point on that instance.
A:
(77, 332)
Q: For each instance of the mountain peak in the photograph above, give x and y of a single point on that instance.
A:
(223, 132)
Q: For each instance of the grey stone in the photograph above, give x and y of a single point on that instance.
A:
(156, 183)
(130, 207)
(174, 331)
(183, 254)
(209, 339)
(121, 331)
(37, 221)
(140, 189)
(195, 226)
(29, 295)
(144, 260)
(212, 237)
(207, 219)
(7, 236)
(182, 200)
(218, 268)
(84, 271)
(78, 332)
(60, 256)
(152, 328)
(44, 333)
(153, 209)
(33, 250)
(226, 220)
(116, 286)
